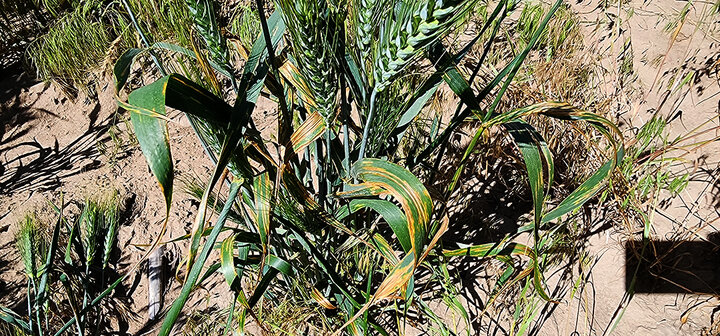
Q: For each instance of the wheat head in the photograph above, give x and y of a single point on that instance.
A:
(315, 36)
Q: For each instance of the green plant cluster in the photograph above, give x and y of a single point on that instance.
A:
(87, 35)
(67, 264)
(332, 214)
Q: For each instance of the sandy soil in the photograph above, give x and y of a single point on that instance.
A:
(692, 216)
(51, 145)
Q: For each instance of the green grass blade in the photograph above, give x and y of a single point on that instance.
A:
(583, 193)
(194, 274)
(11, 318)
(230, 145)
(189, 53)
(273, 265)
(532, 147)
(42, 288)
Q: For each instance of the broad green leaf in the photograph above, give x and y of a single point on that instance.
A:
(354, 79)
(253, 78)
(390, 213)
(185, 95)
(424, 94)
(525, 137)
(152, 134)
(121, 70)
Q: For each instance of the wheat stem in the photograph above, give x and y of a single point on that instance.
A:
(368, 122)
(328, 160)
(346, 120)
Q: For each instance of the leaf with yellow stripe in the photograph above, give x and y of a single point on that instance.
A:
(309, 205)
(595, 182)
(227, 263)
(384, 247)
(291, 74)
(321, 299)
(395, 281)
(394, 180)
(259, 210)
(310, 130)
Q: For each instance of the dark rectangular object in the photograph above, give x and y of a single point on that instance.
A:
(674, 266)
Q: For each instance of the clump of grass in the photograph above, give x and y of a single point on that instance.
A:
(98, 223)
(71, 51)
(59, 290)
(77, 45)
(562, 31)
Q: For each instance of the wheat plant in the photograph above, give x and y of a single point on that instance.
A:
(330, 223)
(60, 289)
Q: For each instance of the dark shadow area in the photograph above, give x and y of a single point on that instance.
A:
(48, 165)
(15, 80)
(674, 266)
(16, 115)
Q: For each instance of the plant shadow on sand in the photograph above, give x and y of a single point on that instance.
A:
(15, 114)
(49, 165)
